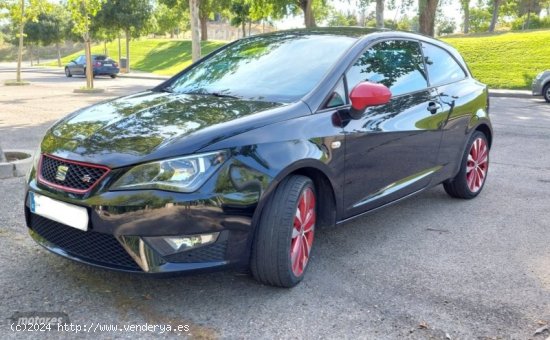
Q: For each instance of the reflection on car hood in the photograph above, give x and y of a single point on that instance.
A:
(150, 125)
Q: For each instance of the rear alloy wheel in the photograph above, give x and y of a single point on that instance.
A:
(284, 238)
(113, 76)
(473, 172)
(68, 72)
(546, 92)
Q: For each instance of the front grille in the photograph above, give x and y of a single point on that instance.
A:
(91, 246)
(210, 253)
(70, 176)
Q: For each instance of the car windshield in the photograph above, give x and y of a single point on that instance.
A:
(279, 68)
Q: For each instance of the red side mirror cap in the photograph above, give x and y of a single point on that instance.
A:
(367, 94)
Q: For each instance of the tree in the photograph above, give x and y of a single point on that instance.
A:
(480, 20)
(426, 16)
(338, 18)
(284, 7)
(194, 6)
(241, 14)
(206, 8)
(130, 16)
(465, 5)
(170, 20)
(494, 18)
(20, 12)
(445, 25)
(82, 13)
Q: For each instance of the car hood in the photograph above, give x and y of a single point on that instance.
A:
(155, 125)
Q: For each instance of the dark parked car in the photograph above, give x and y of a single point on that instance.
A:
(102, 65)
(237, 160)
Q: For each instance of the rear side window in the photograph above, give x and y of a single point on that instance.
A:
(396, 64)
(442, 67)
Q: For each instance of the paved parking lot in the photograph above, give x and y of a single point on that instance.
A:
(430, 267)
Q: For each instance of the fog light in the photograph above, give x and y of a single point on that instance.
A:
(168, 245)
(191, 241)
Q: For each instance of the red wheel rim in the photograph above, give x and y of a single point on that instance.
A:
(302, 232)
(477, 165)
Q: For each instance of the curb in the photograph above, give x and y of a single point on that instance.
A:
(18, 168)
(137, 76)
(510, 94)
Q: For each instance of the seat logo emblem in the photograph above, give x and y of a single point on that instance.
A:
(61, 173)
(86, 179)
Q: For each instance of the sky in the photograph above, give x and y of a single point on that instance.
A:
(451, 10)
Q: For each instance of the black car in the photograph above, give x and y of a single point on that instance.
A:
(238, 159)
(102, 65)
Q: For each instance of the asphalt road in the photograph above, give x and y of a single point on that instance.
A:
(431, 267)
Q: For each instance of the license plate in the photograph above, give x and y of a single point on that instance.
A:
(65, 213)
(107, 64)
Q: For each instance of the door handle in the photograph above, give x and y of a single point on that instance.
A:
(433, 107)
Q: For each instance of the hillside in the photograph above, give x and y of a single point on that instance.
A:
(159, 56)
(504, 60)
(508, 60)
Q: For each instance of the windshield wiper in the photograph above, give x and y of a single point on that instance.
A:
(215, 94)
(168, 89)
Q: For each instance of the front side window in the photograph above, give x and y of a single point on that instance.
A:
(396, 64)
(442, 67)
(279, 68)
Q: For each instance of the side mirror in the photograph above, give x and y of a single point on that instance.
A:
(367, 94)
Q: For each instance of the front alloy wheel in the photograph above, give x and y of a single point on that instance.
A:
(284, 236)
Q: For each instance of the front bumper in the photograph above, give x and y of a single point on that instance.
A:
(121, 223)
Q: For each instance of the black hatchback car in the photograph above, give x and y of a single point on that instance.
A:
(237, 160)
(101, 64)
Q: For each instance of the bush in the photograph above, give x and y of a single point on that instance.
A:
(534, 22)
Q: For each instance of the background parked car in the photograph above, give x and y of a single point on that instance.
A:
(102, 64)
(541, 85)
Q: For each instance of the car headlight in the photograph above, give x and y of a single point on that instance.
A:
(183, 174)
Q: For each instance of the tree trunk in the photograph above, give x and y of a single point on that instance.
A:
(494, 19)
(89, 67)
(309, 18)
(58, 53)
(195, 29)
(37, 55)
(426, 18)
(380, 13)
(105, 47)
(119, 48)
(204, 27)
(20, 50)
(466, 9)
(526, 26)
(128, 37)
(30, 54)
(249, 27)
(243, 27)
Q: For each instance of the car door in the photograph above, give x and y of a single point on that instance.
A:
(392, 150)
(457, 92)
(80, 63)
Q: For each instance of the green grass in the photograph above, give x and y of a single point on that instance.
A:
(160, 56)
(505, 60)
(501, 60)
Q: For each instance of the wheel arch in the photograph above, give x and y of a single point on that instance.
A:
(486, 130)
(326, 190)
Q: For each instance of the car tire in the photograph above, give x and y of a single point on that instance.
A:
(546, 92)
(474, 168)
(113, 76)
(284, 236)
(68, 72)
